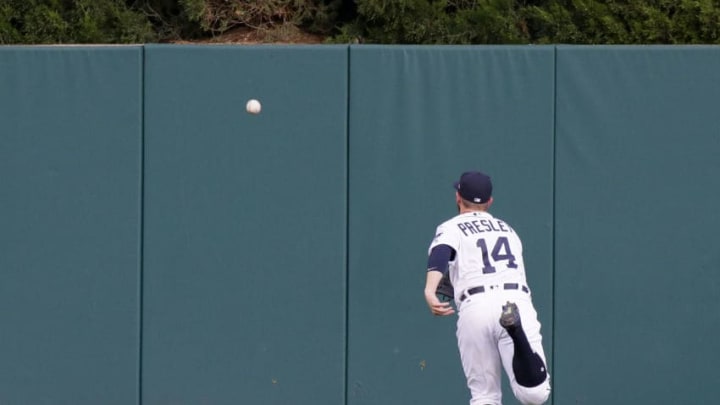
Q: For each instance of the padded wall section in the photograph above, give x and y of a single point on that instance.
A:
(244, 294)
(70, 153)
(638, 177)
(419, 117)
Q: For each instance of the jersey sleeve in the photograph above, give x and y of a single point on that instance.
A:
(445, 234)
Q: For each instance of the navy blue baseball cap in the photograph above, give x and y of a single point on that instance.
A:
(475, 187)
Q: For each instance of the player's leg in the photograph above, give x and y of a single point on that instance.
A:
(522, 353)
(476, 331)
(527, 365)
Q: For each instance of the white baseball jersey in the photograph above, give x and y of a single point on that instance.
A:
(488, 251)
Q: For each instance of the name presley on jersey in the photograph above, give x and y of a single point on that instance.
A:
(483, 225)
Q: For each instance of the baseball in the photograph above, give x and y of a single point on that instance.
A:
(253, 106)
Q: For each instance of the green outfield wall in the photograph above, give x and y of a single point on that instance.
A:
(244, 237)
(637, 258)
(70, 225)
(159, 245)
(420, 116)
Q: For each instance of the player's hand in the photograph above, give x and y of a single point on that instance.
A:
(437, 307)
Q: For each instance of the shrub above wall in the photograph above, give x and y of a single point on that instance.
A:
(362, 21)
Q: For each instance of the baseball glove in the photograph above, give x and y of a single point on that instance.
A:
(445, 291)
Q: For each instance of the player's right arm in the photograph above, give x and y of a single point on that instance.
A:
(436, 306)
(442, 249)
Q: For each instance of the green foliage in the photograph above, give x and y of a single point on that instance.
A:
(487, 22)
(217, 16)
(539, 21)
(625, 22)
(367, 21)
(171, 19)
(440, 21)
(71, 21)
(404, 21)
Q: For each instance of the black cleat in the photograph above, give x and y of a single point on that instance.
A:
(510, 317)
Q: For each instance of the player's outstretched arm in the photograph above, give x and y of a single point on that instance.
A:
(436, 306)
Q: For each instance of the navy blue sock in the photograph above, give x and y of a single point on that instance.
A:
(529, 368)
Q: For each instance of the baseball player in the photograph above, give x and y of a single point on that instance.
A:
(477, 259)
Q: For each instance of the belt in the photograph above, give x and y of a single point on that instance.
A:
(481, 289)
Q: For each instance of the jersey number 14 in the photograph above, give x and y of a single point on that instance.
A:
(500, 252)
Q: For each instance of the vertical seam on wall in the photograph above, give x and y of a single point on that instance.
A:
(554, 201)
(142, 225)
(347, 230)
